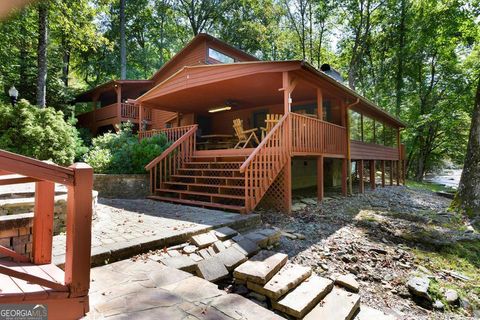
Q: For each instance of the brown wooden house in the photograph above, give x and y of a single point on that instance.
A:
(314, 128)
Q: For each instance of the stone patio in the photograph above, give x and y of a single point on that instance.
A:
(148, 290)
(124, 227)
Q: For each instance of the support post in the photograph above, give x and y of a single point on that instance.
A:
(391, 172)
(288, 185)
(398, 172)
(319, 104)
(383, 173)
(286, 92)
(372, 174)
(344, 177)
(140, 118)
(79, 231)
(320, 178)
(43, 222)
(361, 186)
(118, 89)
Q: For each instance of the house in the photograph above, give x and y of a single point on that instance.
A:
(322, 129)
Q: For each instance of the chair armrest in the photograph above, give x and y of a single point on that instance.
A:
(250, 130)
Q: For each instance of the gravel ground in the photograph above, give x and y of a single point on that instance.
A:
(372, 236)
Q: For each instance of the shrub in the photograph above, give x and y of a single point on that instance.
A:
(121, 152)
(39, 133)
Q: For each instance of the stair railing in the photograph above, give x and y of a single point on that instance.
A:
(173, 134)
(266, 161)
(168, 163)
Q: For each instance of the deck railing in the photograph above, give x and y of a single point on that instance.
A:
(78, 178)
(168, 163)
(131, 111)
(173, 134)
(310, 135)
(266, 161)
(127, 112)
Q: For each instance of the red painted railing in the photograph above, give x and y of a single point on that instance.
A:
(266, 161)
(168, 163)
(131, 111)
(173, 134)
(370, 151)
(310, 135)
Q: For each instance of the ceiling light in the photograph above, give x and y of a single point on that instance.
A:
(218, 109)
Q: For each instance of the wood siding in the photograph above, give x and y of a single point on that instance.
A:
(368, 151)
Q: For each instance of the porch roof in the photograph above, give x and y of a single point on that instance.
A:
(249, 84)
(127, 85)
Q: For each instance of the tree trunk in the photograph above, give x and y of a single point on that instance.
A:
(400, 59)
(42, 53)
(123, 44)
(66, 60)
(468, 196)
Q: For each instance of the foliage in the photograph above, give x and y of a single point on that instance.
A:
(429, 186)
(38, 133)
(121, 152)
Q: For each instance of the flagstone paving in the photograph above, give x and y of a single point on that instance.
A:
(125, 227)
(148, 290)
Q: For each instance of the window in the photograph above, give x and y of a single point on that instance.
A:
(379, 134)
(368, 128)
(216, 55)
(355, 126)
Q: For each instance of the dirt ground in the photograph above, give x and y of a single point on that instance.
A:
(385, 237)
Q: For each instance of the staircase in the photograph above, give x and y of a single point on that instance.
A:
(230, 179)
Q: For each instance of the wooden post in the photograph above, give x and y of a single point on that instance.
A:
(361, 187)
(348, 155)
(320, 178)
(140, 118)
(319, 104)
(286, 92)
(118, 89)
(391, 172)
(372, 174)
(344, 177)
(43, 222)
(383, 173)
(398, 172)
(288, 185)
(79, 228)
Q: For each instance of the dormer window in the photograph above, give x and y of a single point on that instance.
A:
(220, 57)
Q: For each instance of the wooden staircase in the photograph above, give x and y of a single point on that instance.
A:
(211, 181)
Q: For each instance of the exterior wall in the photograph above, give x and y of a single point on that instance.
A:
(332, 172)
(304, 173)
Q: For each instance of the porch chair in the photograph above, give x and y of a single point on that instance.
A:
(244, 136)
(270, 122)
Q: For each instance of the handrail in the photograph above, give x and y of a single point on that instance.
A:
(250, 158)
(312, 118)
(172, 134)
(162, 156)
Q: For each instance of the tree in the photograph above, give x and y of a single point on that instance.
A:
(42, 53)
(123, 43)
(201, 14)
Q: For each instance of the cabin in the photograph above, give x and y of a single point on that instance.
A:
(244, 133)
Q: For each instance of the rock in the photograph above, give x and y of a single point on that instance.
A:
(258, 237)
(233, 306)
(190, 249)
(261, 267)
(419, 287)
(438, 305)
(204, 253)
(257, 296)
(286, 279)
(238, 238)
(218, 246)
(241, 289)
(225, 233)
(298, 206)
(339, 304)
(304, 297)
(228, 243)
(309, 201)
(299, 236)
(211, 251)
(184, 263)
(174, 253)
(451, 296)
(367, 313)
(195, 257)
(289, 235)
(348, 281)
(204, 239)
(231, 258)
(212, 269)
(246, 247)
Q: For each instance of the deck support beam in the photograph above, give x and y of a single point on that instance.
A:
(383, 173)
(391, 172)
(320, 189)
(43, 222)
(140, 118)
(361, 186)
(372, 174)
(344, 177)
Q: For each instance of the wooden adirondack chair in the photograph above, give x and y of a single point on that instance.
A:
(270, 122)
(244, 136)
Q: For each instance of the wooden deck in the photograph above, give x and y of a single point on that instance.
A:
(35, 279)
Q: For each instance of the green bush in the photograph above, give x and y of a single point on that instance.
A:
(39, 133)
(121, 152)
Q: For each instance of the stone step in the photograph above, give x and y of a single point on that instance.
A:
(261, 267)
(212, 269)
(231, 258)
(290, 276)
(338, 305)
(303, 298)
(367, 313)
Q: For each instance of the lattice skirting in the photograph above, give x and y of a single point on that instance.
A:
(276, 194)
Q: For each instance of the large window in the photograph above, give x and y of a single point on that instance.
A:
(355, 125)
(379, 134)
(220, 57)
(368, 130)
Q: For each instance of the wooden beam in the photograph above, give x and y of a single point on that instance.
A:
(118, 90)
(320, 190)
(286, 92)
(391, 172)
(372, 174)
(344, 177)
(43, 222)
(361, 186)
(140, 118)
(79, 231)
(319, 104)
(288, 185)
(383, 173)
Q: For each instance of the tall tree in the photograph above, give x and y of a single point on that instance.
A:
(42, 53)
(200, 13)
(123, 42)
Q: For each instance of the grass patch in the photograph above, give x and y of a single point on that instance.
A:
(461, 257)
(429, 186)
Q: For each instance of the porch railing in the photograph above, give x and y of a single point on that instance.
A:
(173, 134)
(266, 161)
(131, 111)
(310, 135)
(168, 163)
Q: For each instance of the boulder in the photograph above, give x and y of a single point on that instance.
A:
(348, 282)
(418, 286)
(451, 296)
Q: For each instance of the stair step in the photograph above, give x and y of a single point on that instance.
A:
(289, 277)
(239, 163)
(208, 177)
(209, 169)
(198, 193)
(338, 305)
(303, 298)
(367, 313)
(200, 203)
(205, 185)
(261, 267)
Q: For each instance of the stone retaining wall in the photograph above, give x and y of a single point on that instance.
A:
(16, 233)
(126, 186)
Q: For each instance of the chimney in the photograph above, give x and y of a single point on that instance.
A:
(332, 73)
